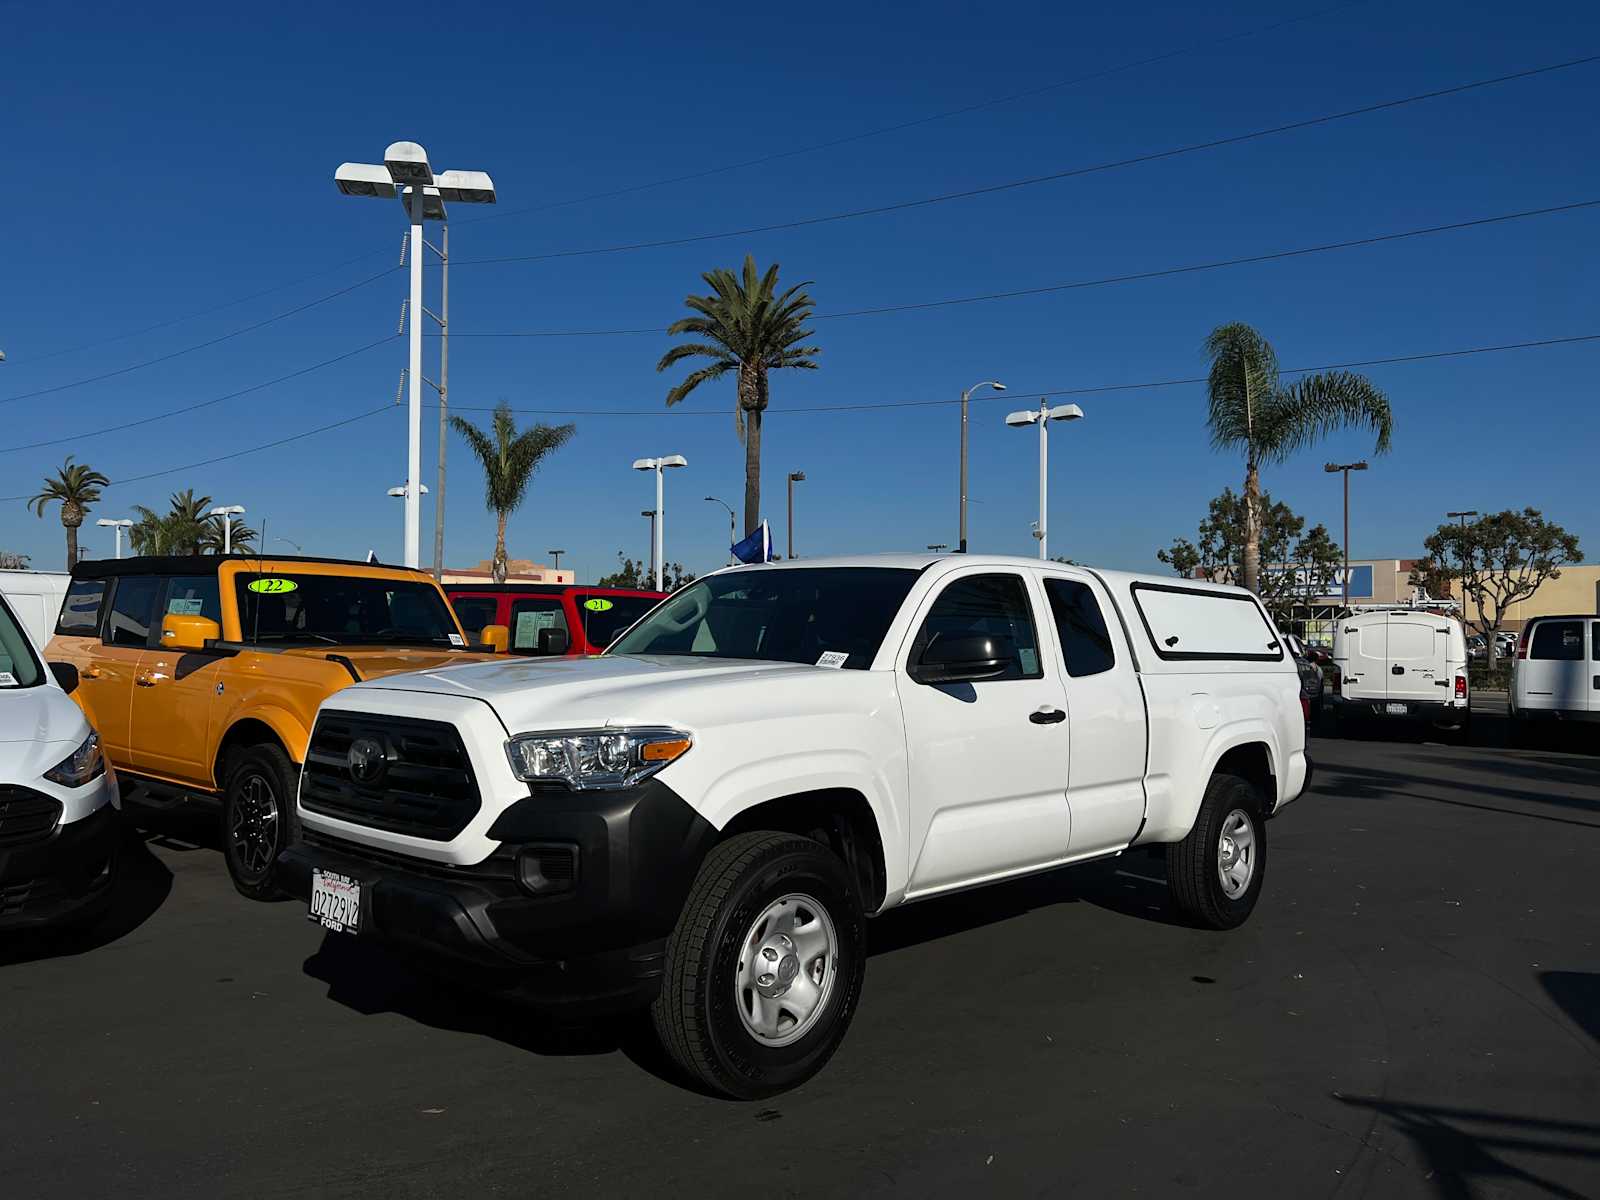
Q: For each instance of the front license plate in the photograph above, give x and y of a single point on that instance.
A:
(1395, 710)
(335, 902)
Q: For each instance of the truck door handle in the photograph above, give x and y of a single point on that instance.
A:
(90, 673)
(1047, 716)
(150, 679)
(1397, 669)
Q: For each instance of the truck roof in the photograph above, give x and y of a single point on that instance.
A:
(207, 564)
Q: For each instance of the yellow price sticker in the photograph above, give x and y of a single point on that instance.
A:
(273, 587)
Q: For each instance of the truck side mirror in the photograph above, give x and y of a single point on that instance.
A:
(182, 631)
(964, 658)
(496, 638)
(66, 675)
(553, 641)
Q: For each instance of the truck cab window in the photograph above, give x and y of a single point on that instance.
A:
(1085, 640)
(996, 605)
(133, 605)
(474, 613)
(194, 596)
(80, 612)
(531, 617)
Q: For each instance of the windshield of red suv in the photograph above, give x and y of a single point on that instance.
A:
(605, 616)
(827, 616)
(287, 607)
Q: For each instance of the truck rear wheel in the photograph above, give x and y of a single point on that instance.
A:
(765, 967)
(1217, 871)
(258, 817)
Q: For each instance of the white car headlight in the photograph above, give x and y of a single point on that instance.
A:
(82, 765)
(595, 758)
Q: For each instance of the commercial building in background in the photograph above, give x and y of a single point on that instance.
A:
(1576, 593)
(518, 570)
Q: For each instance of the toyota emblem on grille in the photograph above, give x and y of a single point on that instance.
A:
(367, 760)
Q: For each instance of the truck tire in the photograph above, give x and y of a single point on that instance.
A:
(765, 967)
(258, 816)
(1217, 871)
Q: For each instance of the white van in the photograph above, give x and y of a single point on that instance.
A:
(35, 598)
(1556, 673)
(1401, 664)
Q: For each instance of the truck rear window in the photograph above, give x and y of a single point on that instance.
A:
(1189, 623)
(1561, 641)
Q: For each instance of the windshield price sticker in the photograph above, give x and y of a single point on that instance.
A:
(457, 640)
(273, 587)
(833, 658)
(7, 679)
(598, 604)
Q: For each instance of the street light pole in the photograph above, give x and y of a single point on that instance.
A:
(444, 400)
(656, 541)
(733, 529)
(1042, 418)
(1463, 515)
(966, 396)
(555, 559)
(227, 514)
(651, 514)
(118, 526)
(794, 478)
(1346, 468)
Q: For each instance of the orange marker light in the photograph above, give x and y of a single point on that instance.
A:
(663, 751)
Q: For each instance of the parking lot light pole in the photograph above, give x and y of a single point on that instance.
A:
(658, 465)
(1346, 468)
(555, 559)
(966, 396)
(794, 478)
(119, 526)
(227, 514)
(1462, 516)
(1042, 416)
(733, 528)
(407, 174)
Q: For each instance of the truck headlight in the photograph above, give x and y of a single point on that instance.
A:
(79, 767)
(595, 758)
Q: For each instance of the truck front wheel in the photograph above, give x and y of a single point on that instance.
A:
(1216, 872)
(765, 967)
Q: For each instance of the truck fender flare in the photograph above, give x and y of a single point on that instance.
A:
(284, 725)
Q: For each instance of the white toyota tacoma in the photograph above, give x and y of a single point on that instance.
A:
(702, 818)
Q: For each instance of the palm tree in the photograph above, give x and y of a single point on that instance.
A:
(213, 538)
(751, 330)
(180, 530)
(509, 460)
(1250, 408)
(77, 487)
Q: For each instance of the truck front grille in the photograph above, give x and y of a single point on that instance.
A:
(423, 784)
(26, 815)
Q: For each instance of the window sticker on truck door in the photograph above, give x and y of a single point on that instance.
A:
(834, 658)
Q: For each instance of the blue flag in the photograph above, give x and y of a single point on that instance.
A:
(756, 548)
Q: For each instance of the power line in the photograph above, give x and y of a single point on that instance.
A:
(1074, 391)
(1046, 289)
(901, 126)
(1032, 181)
(150, 362)
(206, 462)
(84, 434)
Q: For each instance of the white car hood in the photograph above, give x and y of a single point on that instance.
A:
(39, 726)
(571, 693)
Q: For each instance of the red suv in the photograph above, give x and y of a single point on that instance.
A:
(547, 618)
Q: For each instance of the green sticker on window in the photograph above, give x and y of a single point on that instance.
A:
(273, 587)
(598, 605)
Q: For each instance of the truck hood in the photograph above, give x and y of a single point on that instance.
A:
(570, 693)
(374, 662)
(38, 724)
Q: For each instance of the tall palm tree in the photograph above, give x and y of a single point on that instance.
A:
(750, 329)
(179, 530)
(509, 460)
(1252, 409)
(77, 486)
(213, 538)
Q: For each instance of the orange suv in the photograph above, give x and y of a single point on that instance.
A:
(203, 674)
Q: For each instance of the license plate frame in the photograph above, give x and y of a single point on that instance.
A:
(336, 902)
(1394, 709)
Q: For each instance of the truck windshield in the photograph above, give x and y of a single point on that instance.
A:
(348, 610)
(19, 666)
(829, 616)
(605, 616)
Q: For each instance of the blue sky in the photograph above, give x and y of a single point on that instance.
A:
(167, 161)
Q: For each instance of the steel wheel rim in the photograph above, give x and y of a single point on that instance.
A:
(254, 829)
(1236, 854)
(788, 962)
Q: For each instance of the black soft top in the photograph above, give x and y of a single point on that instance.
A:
(202, 564)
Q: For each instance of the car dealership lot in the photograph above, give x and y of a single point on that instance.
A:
(1416, 1009)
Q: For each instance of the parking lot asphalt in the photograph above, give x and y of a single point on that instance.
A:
(1413, 1010)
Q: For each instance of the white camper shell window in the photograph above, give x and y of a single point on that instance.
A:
(1190, 623)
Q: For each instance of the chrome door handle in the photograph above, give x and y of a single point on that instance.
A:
(1047, 716)
(90, 673)
(150, 679)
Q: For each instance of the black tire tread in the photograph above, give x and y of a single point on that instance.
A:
(283, 767)
(1190, 862)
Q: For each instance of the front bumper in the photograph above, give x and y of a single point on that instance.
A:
(575, 905)
(65, 875)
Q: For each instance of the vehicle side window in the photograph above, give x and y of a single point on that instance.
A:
(995, 605)
(1085, 640)
(194, 596)
(80, 612)
(474, 612)
(528, 617)
(1594, 640)
(133, 605)
(1558, 640)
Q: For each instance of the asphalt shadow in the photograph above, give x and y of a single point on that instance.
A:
(141, 886)
(1371, 783)
(1577, 993)
(1466, 1150)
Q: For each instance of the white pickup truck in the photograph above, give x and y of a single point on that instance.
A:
(702, 818)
